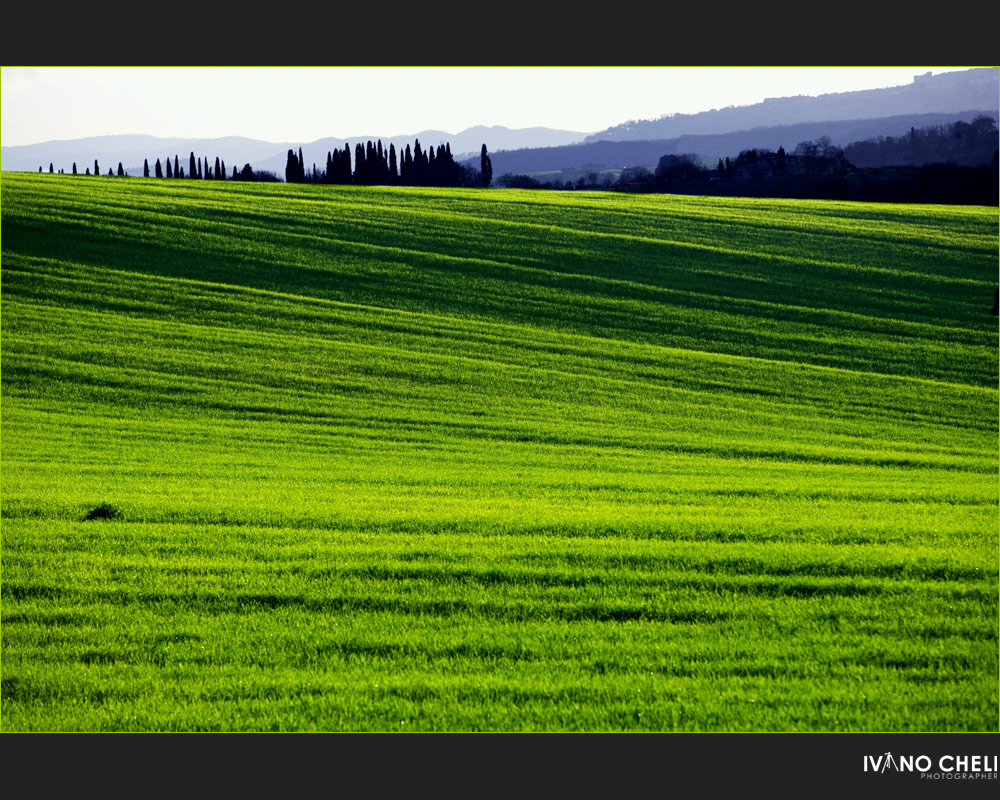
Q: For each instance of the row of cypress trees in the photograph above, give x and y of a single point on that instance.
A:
(195, 169)
(373, 165)
(376, 165)
(97, 169)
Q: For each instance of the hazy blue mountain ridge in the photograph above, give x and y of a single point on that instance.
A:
(947, 92)
(613, 155)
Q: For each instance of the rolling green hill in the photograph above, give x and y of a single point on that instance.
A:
(439, 459)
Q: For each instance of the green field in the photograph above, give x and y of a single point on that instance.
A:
(478, 460)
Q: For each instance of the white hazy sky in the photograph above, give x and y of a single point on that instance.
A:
(302, 104)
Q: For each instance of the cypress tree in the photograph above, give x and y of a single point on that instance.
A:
(88, 170)
(359, 163)
(170, 173)
(121, 172)
(222, 172)
(145, 168)
(291, 167)
(485, 168)
(417, 174)
(192, 166)
(340, 161)
(406, 166)
(380, 161)
(371, 165)
(51, 168)
(236, 175)
(74, 168)
(177, 168)
(97, 169)
(393, 171)
(158, 169)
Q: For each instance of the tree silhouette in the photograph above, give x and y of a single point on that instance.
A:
(347, 168)
(170, 172)
(406, 166)
(360, 168)
(145, 168)
(121, 172)
(192, 166)
(177, 168)
(220, 172)
(74, 168)
(97, 169)
(159, 169)
(485, 168)
(381, 175)
(419, 164)
(291, 167)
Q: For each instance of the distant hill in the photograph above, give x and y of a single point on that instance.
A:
(612, 155)
(131, 150)
(947, 92)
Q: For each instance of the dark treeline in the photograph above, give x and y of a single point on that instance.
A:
(818, 169)
(969, 144)
(372, 165)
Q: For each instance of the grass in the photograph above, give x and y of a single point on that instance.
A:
(429, 459)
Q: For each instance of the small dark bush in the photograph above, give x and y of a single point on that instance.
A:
(103, 511)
